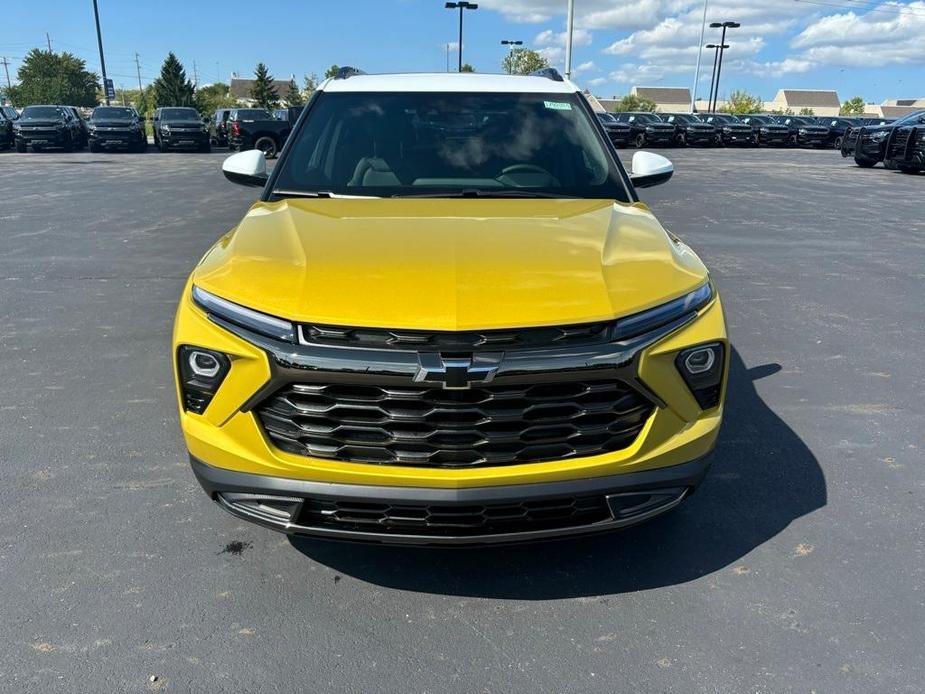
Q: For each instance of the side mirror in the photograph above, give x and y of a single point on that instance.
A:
(246, 168)
(650, 170)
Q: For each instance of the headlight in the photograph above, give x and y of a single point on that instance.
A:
(803, 131)
(641, 323)
(236, 314)
(765, 130)
(165, 128)
(879, 135)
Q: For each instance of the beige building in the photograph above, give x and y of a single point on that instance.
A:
(822, 102)
(667, 99)
(894, 108)
(241, 90)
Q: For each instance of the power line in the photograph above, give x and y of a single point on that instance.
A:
(894, 10)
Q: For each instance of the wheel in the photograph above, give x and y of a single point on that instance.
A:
(163, 147)
(95, 148)
(267, 145)
(682, 139)
(837, 144)
(640, 141)
(865, 163)
(21, 146)
(906, 169)
(206, 148)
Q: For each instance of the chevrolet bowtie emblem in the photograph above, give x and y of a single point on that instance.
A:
(457, 373)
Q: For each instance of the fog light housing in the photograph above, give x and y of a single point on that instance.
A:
(201, 373)
(274, 509)
(702, 368)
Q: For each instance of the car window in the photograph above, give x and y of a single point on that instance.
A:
(252, 114)
(53, 112)
(383, 144)
(179, 114)
(113, 113)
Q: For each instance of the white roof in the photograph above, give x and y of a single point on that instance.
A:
(448, 82)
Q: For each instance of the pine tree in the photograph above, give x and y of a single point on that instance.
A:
(294, 96)
(172, 88)
(264, 92)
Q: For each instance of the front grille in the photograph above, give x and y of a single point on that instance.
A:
(475, 520)
(451, 341)
(434, 427)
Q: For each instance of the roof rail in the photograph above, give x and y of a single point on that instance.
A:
(549, 73)
(347, 72)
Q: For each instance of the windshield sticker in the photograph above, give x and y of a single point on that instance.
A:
(558, 105)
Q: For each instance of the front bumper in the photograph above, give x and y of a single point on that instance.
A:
(738, 138)
(49, 138)
(427, 516)
(183, 140)
(229, 437)
(117, 139)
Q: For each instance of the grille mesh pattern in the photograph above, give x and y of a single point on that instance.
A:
(455, 520)
(432, 427)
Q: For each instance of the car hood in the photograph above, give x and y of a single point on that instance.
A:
(449, 264)
(39, 122)
(183, 123)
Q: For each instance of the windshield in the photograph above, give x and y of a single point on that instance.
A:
(766, 120)
(722, 119)
(911, 119)
(53, 112)
(607, 117)
(681, 118)
(643, 118)
(179, 114)
(113, 113)
(449, 144)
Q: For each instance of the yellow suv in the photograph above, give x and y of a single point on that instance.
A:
(449, 320)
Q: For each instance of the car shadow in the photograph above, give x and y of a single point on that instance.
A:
(763, 477)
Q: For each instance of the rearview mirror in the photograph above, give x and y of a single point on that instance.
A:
(246, 168)
(650, 170)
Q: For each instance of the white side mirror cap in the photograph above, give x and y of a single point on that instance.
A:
(650, 169)
(246, 168)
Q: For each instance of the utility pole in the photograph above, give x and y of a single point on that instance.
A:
(99, 40)
(569, 24)
(703, 29)
(138, 72)
(6, 69)
(48, 38)
(447, 57)
(195, 76)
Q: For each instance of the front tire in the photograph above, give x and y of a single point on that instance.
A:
(837, 143)
(94, 148)
(267, 145)
(865, 163)
(640, 141)
(21, 146)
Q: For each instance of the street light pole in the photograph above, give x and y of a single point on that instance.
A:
(99, 40)
(462, 6)
(715, 46)
(510, 62)
(703, 28)
(569, 25)
(722, 48)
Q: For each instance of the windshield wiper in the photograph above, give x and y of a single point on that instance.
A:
(477, 193)
(316, 194)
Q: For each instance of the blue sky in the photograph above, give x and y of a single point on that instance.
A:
(870, 48)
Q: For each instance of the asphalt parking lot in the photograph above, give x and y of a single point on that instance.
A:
(798, 566)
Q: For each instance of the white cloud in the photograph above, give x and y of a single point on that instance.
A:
(580, 37)
(588, 66)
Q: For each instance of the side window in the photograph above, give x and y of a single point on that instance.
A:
(631, 119)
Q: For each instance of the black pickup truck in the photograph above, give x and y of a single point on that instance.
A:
(256, 128)
(40, 127)
(180, 127)
(620, 134)
(690, 130)
(905, 147)
(117, 127)
(647, 128)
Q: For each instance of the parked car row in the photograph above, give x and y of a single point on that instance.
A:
(643, 129)
(898, 145)
(121, 127)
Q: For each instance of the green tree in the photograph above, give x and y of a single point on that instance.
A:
(46, 77)
(331, 71)
(807, 112)
(213, 97)
(740, 101)
(853, 107)
(264, 91)
(631, 102)
(523, 61)
(467, 68)
(309, 85)
(171, 88)
(294, 96)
